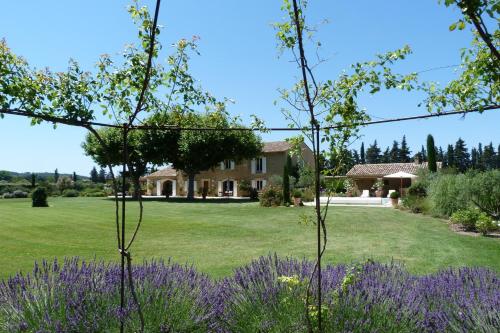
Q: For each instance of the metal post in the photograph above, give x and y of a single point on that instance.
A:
(122, 245)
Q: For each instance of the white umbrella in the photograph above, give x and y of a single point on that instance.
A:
(401, 175)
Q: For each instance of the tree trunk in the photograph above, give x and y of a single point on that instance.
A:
(190, 194)
(137, 187)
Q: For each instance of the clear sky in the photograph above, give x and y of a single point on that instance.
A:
(239, 60)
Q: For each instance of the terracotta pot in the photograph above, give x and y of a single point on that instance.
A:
(394, 202)
(297, 202)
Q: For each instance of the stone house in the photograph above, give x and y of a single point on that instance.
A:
(223, 180)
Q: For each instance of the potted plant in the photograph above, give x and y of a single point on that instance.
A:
(378, 187)
(394, 198)
(297, 198)
(349, 187)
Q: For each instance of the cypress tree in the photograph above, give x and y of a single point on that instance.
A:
(286, 180)
(74, 177)
(94, 177)
(489, 158)
(431, 154)
(56, 176)
(362, 153)
(33, 180)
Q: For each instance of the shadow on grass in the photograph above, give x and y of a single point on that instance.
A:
(191, 201)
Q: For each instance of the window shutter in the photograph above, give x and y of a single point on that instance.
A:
(235, 188)
(219, 187)
(194, 186)
(254, 184)
(232, 165)
(222, 165)
(264, 165)
(264, 183)
(252, 165)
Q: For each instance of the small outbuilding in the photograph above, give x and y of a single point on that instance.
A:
(394, 176)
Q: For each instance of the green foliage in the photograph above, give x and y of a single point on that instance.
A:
(20, 194)
(308, 194)
(485, 224)
(449, 193)
(415, 204)
(39, 197)
(431, 154)
(418, 189)
(286, 185)
(485, 192)
(64, 183)
(467, 218)
(306, 176)
(297, 193)
(394, 195)
(478, 83)
(271, 196)
(70, 193)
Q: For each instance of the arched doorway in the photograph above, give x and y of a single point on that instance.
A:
(166, 188)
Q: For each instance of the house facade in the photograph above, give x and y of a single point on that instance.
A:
(365, 175)
(225, 178)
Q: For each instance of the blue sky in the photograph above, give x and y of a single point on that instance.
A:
(239, 60)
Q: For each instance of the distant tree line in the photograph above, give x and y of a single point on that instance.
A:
(457, 156)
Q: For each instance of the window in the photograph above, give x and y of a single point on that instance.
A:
(259, 165)
(259, 184)
(227, 165)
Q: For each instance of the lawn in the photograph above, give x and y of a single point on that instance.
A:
(217, 237)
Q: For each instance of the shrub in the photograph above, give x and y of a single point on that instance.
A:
(466, 217)
(308, 194)
(253, 193)
(418, 189)
(448, 193)
(20, 194)
(70, 193)
(93, 193)
(485, 192)
(415, 204)
(8, 195)
(395, 195)
(485, 224)
(39, 197)
(271, 196)
(276, 180)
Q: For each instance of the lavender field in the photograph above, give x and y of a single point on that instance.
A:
(266, 295)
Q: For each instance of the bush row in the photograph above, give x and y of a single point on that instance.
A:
(267, 295)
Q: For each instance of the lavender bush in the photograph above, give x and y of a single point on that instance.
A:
(265, 296)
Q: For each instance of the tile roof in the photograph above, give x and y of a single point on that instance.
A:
(384, 169)
(167, 172)
(276, 147)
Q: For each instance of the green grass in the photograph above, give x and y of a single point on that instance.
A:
(219, 237)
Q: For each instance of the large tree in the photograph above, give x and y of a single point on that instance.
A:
(198, 151)
(461, 155)
(373, 153)
(394, 153)
(144, 148)
(478, 83)
(362, 153)
(404, 151)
